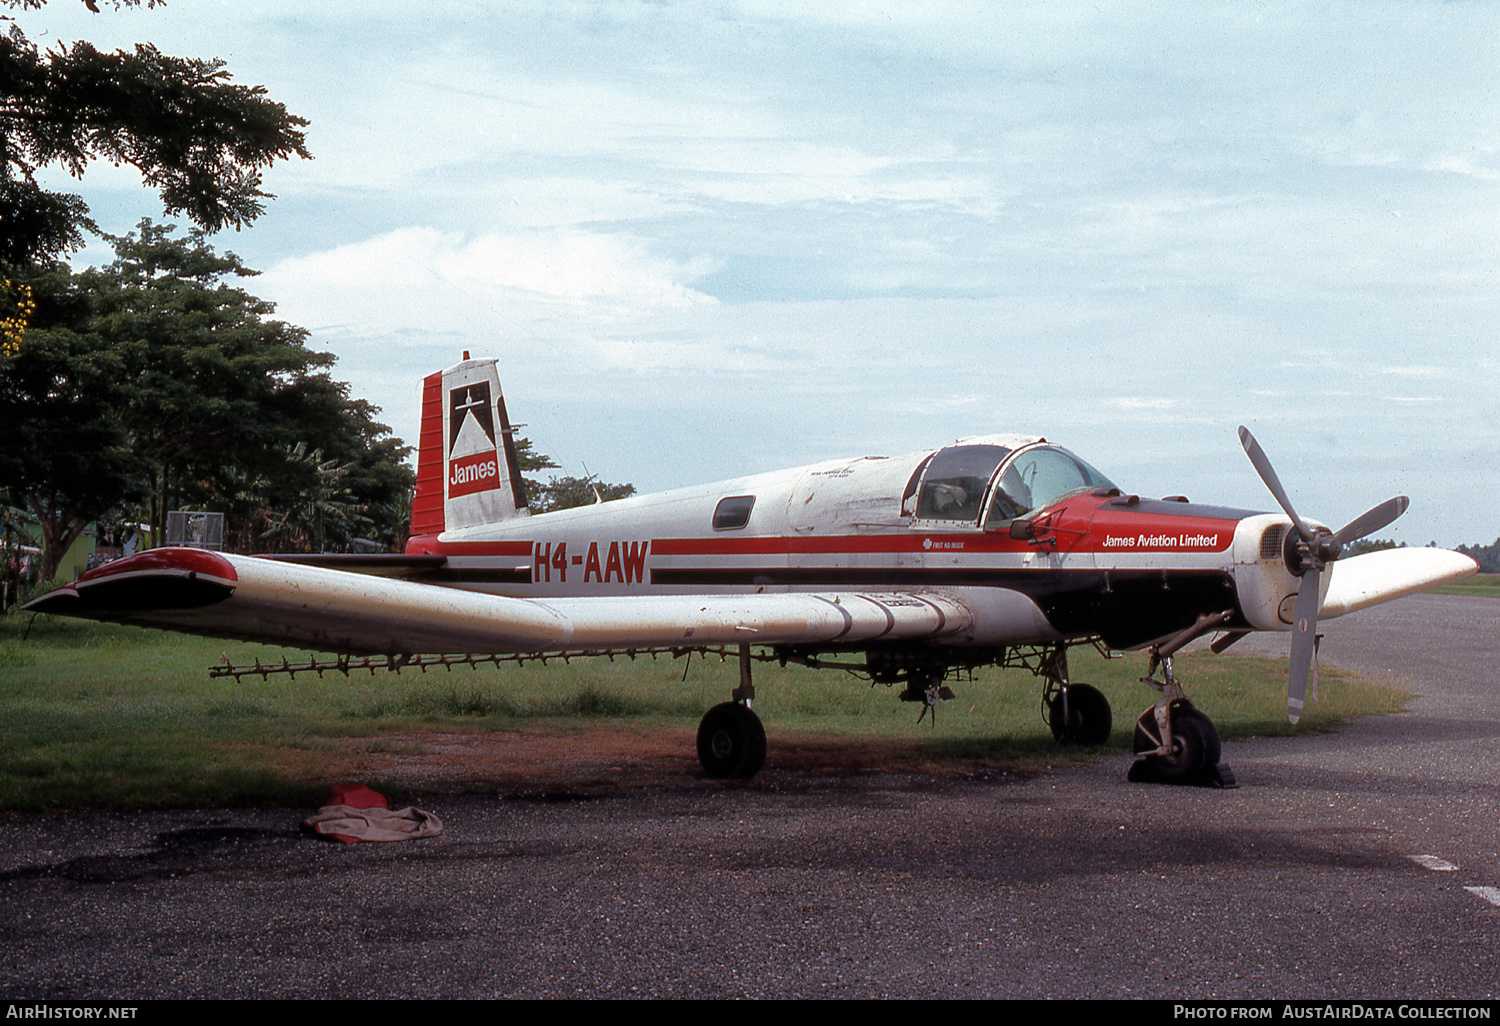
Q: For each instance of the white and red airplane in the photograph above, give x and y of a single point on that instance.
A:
(1000, 550)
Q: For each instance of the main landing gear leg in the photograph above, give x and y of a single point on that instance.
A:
(1174, 742)
(731, 740)
(1077, 713)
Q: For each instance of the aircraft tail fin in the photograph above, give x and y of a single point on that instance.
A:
(467, 472)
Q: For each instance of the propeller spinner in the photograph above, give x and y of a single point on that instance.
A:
(1315, 548)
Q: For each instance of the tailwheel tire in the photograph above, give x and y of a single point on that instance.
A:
(1088, 720)
(731, 742)
(1196, 747)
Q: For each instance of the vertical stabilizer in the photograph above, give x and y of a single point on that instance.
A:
(467, 473)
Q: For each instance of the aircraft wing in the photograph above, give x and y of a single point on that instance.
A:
(311, 607)
(1362, 581)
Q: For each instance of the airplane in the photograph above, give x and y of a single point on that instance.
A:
(1003, 550)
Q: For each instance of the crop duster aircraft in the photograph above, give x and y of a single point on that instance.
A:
(999, 550)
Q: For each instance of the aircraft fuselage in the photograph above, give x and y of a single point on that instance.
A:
(1100, 562)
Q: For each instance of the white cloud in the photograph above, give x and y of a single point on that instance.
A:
(1094, 220)
(1138, 403)
(1454, 164)
(1415, 372)
(395, 280)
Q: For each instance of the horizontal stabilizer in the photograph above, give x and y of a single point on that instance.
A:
(1361, 581)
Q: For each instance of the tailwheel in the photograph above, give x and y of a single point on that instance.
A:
(731, 742)
(1079, 715)
(1190, 754)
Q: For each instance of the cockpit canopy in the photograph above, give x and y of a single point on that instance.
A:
(957, 483)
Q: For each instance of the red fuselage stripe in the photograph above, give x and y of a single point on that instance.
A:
(1198, 539)
(834, 544)
(506, 548)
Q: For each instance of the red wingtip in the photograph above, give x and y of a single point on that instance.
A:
(172, 558)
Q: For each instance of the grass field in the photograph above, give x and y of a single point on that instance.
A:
(1478, 586)
(94, 715)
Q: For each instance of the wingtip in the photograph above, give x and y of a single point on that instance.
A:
(59, 600)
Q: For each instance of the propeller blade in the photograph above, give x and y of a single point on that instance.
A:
(1304, 635)
(1268, 475)
(1372, 520)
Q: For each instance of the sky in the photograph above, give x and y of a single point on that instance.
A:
(711, 239)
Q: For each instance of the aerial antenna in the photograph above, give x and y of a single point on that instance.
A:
(598, 498)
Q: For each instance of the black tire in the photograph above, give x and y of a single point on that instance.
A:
(731, 742)
(1195, 747)
(1088, 721)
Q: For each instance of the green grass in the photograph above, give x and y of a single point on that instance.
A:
(1478, 586)
(94, 715)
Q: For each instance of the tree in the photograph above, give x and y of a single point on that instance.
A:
(1487, 556)
(376, 474)
(530, 461)
(209, 381)
(63, 457)
(1364, 545)
(568, 492)
(561, 492)
(353, 492)
(154, 379)
(197, 138)
(330, 507)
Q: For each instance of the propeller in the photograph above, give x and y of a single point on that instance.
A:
(1314, 550)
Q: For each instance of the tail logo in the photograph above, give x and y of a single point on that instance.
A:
(473, 458)
(476, 473)
(470, 401)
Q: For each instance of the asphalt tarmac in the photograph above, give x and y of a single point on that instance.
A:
(1302, 883)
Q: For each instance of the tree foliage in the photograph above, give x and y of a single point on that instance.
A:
(561, 492)
(62, 457)
(1364, 545)
(156, 383)
(197, 138)
(205, 368)
(568, 492)
(1487, 556)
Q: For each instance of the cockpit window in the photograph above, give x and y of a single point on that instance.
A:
(1037, 478)
(909, 497)
(955, 482)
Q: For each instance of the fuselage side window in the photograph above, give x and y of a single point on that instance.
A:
(955, 482)
(733, 513)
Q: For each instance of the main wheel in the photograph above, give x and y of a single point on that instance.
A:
(1195, 746)
(1088, 720)
(731, 742)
